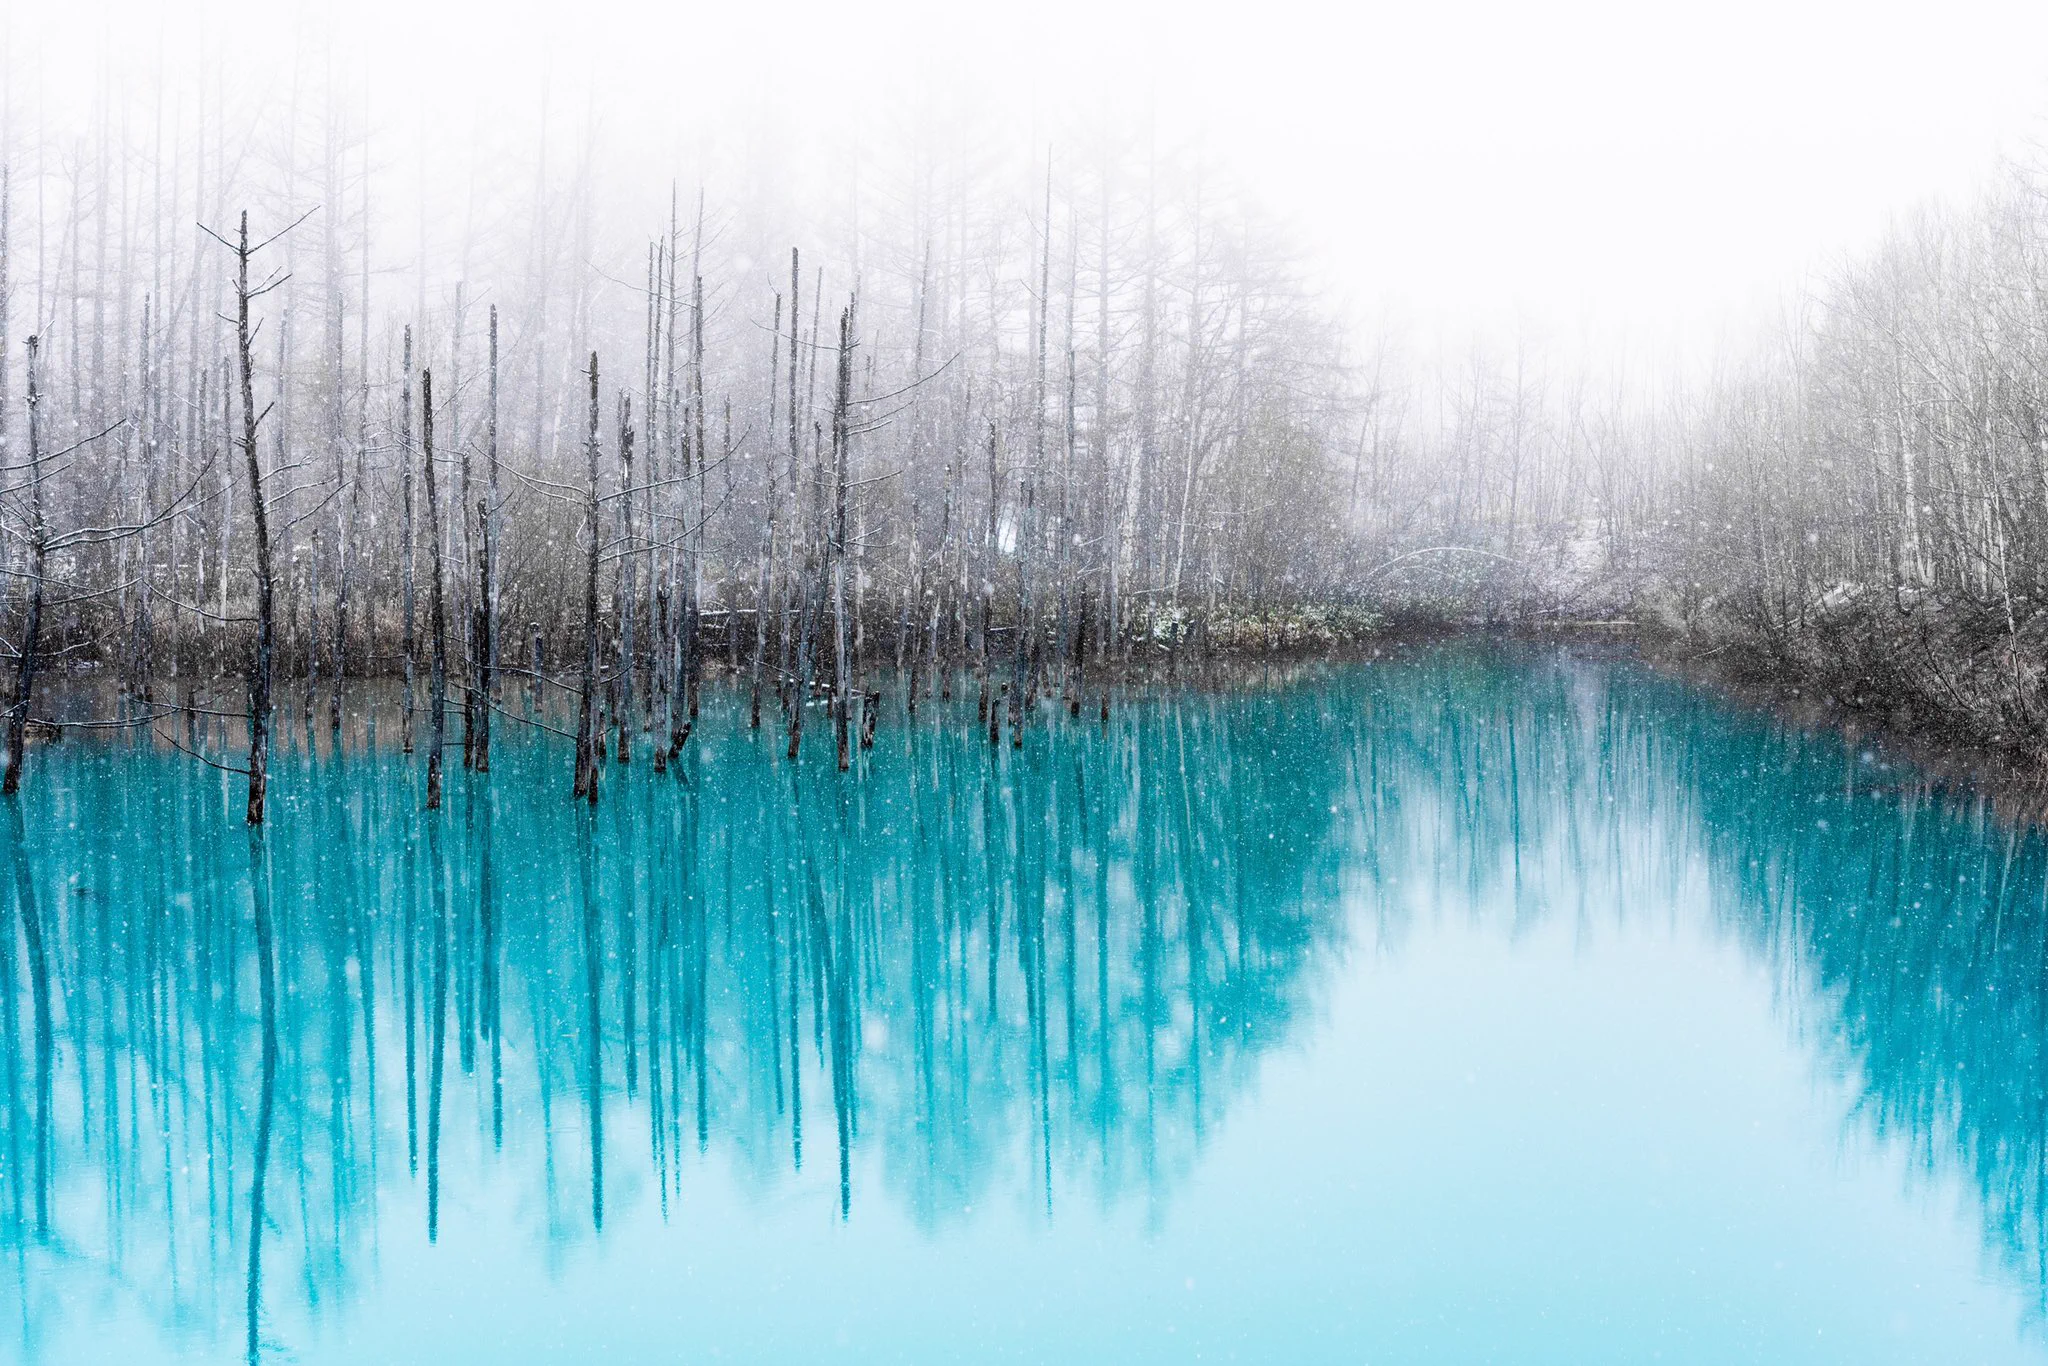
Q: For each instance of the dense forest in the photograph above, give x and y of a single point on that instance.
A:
(279, 419)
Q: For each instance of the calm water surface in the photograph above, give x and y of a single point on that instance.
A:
(1471, 1006)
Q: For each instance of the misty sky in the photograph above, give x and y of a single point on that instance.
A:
(1590, 168)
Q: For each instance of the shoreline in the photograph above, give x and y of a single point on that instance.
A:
(1809, 686)
(1951, 745)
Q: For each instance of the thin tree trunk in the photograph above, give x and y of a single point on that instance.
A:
(586, 734)
(479, 694)
(534, 696)
(791, 586)
(32, 625)
(346, 538)
(763, 587)
(407, 644)
(1027, 493)
(464, 552)
(1109, 518)
(436, 598)
(624, 587)
(483, 689)
(841, 678)
(260, 666)
(693, 644)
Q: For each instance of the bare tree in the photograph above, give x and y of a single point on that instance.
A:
(588, 738)
(437, 693)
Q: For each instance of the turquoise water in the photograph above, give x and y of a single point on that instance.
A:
(1473, 1005)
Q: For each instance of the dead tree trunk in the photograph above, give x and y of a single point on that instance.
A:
(1027, 493)
(764, 585)
(534, 696)
(407, 644)
(437, 615)
(346, 539)
(789, 603)
(1109, 501)
(38, 553)
(988, 567)
(480, 631)
(484, 618)
(624, 588)
(651, 358)
(668, 636)
(909, 630)
(842, 694)
(463, 547)
(811, 595)
(694, 623)
(586, 731)
(260, 664)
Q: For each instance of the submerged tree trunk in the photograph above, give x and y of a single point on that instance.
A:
(623, 589)
(343, 556)
(484, 617)
(1027, 493)
(763, 584)
(842, 683)
(534, 696)
(652, 693)
(408, 647)
(437, 616)
(355, 507)
(1108, 496)
(260, 664)
(587, 740)
(479, 694)
(791, 586)
(32, 625)
(985, 647)
(693, 625)
(463, 548)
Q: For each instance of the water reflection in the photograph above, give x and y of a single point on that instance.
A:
(971, 975)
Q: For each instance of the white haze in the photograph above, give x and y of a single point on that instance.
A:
(1601, 173)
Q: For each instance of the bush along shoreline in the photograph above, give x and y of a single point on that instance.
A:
(1946, 672)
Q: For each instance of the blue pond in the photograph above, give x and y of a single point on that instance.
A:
(1475, 1004)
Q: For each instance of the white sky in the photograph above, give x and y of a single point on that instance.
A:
(1592, 168)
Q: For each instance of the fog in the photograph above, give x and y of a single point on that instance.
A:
(1650, 178)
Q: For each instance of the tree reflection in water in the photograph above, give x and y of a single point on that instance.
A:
(1047, 972)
